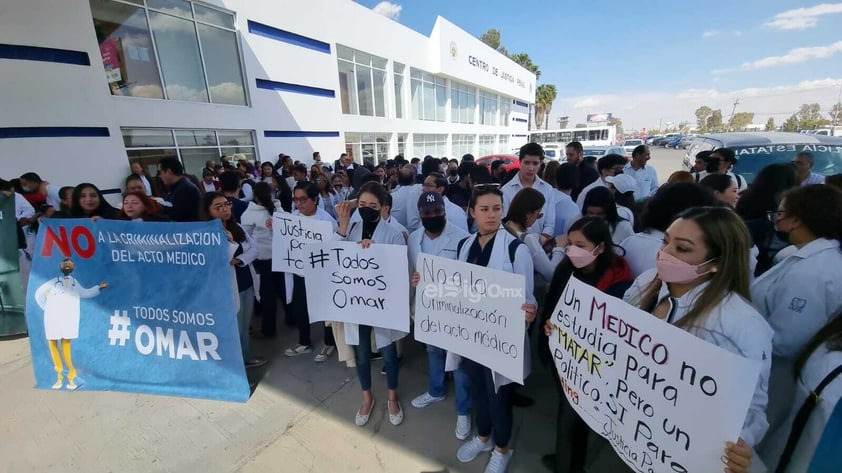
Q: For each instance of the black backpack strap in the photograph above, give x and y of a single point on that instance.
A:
(739, 180)
(802, 417)
(460, 245)
(513, 249)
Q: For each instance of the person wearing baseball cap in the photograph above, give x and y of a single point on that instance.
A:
(440, 238)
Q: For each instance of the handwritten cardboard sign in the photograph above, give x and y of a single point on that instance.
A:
(472, 311)
(665, 399)
(290, 235)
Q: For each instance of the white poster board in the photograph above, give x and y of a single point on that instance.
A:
(472, 311)
(290, 236)
(366, 286)
(666, 400)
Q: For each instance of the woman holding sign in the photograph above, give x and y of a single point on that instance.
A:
(591, 258)
(371, 230)
(257, 222)
(700, 284)
(493, 247)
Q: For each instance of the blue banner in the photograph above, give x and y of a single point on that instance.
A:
(133, 306)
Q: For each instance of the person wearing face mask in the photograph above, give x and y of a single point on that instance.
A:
(591, 258)
(455, 214)
(700, 284)
(798, 295)
(370, 230)
(439, 237)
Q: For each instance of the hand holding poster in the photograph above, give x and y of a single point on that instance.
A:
(349, 283)
(290, 235)
(666, 400)
(141, 307)
(459, 309)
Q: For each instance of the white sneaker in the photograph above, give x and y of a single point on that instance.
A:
(470, 449)
(498, 462)
(323, 355)
(298, 350)
(425, 400)
(463, 427)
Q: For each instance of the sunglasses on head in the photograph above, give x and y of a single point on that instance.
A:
(485, 187)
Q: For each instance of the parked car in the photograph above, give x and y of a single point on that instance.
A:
(554, 152)
(674, 142)
(600, 151)
(511, 162)
(662, 140)
(757, 150)
(630, 145)
(685, 142)
(650, 139)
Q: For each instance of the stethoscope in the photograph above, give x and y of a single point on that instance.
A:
(59, 282)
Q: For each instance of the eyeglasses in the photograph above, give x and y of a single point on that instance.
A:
(488, 186)
(221, 206)
(774, 215)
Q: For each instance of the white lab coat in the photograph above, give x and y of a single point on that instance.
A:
(405, 206)
(545, 224)
(734, 325)
(642, 250)
(566, 212)
(500, 260)
(455, 215)
(387, 234)
(60, 299)
(253, 221)
(443, 246)
(797, 296)
(818, 366)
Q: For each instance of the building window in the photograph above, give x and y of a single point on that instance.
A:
(487, 108)
(402, 144)
(398, 79)
(193, 147)
(362, 82)
(505, 111)
(432, 145)
(429, 96)
(190, 48)
(463, 144)
(487, 144)
(463, 100)
(368, 147)
(503, 144)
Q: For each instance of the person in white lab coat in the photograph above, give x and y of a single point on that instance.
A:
(670, 200)
(818, 373)
(700, 284)
(369, 231)
(455, 215)
(59, 298)
(798, 295)
(440, 237)
(525, 210)
(492, 404)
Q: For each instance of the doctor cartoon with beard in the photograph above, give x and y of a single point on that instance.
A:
(60, 299)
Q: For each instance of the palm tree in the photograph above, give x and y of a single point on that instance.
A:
(545, 95)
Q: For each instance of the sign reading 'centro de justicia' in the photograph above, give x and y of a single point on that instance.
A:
(479, 63)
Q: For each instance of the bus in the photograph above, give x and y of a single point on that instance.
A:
(590, 136)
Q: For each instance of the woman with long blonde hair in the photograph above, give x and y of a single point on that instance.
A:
(700, 284)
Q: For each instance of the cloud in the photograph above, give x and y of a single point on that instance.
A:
(710, 33)
(794, 56)
(388, 9)
(802, 18)
(647, 108)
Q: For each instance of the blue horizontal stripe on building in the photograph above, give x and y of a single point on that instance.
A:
(52, 131)
(522, 120)
(37, 53)
(287, 37)
(300, 134)
(522, 104)
(297, 88)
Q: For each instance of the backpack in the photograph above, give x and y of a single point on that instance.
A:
(512, 246)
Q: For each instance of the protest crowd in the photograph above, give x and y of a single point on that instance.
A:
(753, 269)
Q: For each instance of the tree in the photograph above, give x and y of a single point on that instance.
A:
(525, 62)
(836, 114)
(581, 125)
(770, 124)
(810, 117)
(703, 113)
(492, 39)
(545, 95)
(714, 121)
(741, 120)
(791, 123)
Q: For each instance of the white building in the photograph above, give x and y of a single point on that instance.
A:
(91, 85)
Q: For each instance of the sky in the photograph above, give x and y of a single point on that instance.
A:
(657, 63)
